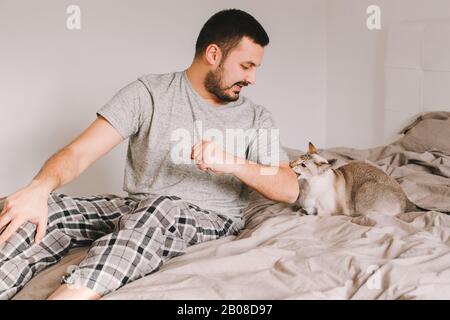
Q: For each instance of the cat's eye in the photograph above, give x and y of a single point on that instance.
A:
(303, 165)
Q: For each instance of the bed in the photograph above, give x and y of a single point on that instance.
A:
(281, 254)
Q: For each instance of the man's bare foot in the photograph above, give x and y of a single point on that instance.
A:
(71, 292)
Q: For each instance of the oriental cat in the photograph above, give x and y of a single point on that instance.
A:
(356, 188)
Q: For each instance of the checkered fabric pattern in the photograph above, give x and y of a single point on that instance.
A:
(128, 239)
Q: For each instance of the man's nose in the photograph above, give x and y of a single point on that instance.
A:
(251, 78)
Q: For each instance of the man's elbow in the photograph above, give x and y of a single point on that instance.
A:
(287, 189)
(292, 191)
(292, 197)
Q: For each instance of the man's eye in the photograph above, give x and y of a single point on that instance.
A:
(245, 68)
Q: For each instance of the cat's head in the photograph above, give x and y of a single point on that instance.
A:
(311, 163)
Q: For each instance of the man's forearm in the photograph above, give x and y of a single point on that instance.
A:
(276, 183)
(58, 170)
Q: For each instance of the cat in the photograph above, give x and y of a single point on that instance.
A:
(356, 188)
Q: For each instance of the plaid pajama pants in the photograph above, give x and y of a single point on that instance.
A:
(128, 239)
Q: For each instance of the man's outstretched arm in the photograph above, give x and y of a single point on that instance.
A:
(277, 183)
(30, 202)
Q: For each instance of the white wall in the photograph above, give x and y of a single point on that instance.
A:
(52, 80)
(322, 76)
(355, 66)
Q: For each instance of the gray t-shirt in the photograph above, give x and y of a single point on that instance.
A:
(163, 116)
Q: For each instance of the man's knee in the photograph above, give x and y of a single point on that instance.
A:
(159, 211)
(61, 208)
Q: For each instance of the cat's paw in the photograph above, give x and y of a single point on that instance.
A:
(311, 211)
(298, 210)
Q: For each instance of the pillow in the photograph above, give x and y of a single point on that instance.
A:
(429, 132)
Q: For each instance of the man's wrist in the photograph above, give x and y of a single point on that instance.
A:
(238, 165)
(43, 185)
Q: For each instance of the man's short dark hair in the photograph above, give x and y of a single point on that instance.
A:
(226, 28)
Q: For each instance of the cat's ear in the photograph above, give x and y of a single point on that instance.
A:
(318, 160)
(332, 162)
(324, 167)
(311, 148)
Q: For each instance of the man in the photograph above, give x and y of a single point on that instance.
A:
(172, 201)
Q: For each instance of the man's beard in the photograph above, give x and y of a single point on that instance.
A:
(213, 83)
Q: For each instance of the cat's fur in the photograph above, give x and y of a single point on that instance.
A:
(353, 189)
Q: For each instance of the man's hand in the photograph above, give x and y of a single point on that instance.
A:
(209, 156)
(31, 203)
(27, 204)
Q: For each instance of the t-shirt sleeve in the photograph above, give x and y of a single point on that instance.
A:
(265, 147)
(128, 108)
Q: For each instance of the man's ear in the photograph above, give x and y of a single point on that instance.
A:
(311, 148)
(213, 54)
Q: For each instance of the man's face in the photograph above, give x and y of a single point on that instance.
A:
(237, 71)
